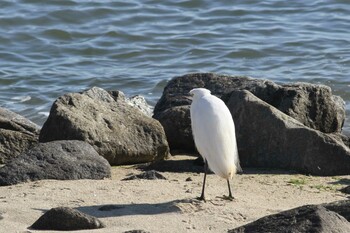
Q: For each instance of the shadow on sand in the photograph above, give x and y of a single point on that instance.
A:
(342, 181)
(118, 210)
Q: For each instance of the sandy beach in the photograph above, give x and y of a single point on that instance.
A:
(168, 205)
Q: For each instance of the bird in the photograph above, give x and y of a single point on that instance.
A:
(214, 135)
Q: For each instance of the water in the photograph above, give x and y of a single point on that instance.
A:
(49, 48)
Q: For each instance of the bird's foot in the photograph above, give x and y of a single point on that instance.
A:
(201, 198)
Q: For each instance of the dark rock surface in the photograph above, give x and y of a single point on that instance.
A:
(66, 219)
(17, 134)
(119, 132)
(340, 207)
(177, 125)
(269, 138)
(176, 164)
(345, 139)
(147, 175)
(312, 105)
(299, 220)
(61, 160)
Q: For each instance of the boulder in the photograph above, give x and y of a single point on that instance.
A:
(66, 219)
(140, 103)
(136, 101)
(269, 138)
(340, 207)
(177, 125)
(345, 139)
(312, 105)
(299, 220)
(60, 160)
(17, 134)
(118, 131)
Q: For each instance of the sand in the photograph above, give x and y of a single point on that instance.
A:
(168, 205)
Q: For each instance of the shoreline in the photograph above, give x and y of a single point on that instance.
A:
(168, 205)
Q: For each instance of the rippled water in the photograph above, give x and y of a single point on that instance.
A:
(48, 48)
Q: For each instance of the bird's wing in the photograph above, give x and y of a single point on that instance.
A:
(214, 134)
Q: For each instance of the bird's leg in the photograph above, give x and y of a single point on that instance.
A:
(230, 197)
(202, 197)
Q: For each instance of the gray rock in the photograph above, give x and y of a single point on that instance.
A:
(147, 175)
(140, 103)
(340, 207)
(119, 132)
(269, 138)
(299, 220)
(344, 138)
(312, 105)
(61, 160)
(17, 134)
(190, 165)
(177, 125)
(66, 219)
(137, 101)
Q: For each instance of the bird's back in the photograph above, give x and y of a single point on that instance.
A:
(214, 135)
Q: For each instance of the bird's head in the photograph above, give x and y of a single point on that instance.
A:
(199, 92)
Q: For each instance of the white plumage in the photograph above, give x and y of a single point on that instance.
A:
(214, 134)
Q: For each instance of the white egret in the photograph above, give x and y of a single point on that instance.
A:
(214, 135)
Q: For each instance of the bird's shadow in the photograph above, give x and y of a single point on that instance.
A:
(119, 210)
